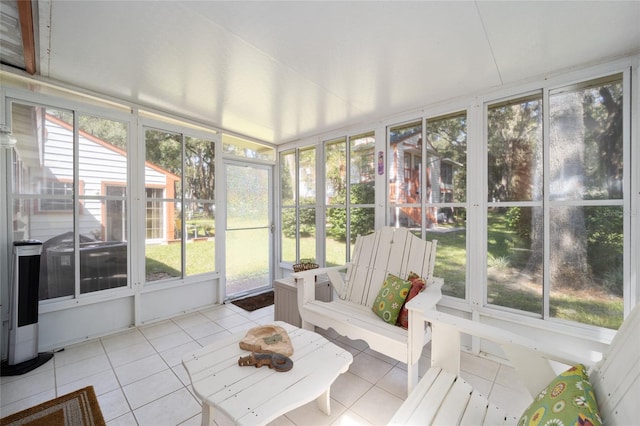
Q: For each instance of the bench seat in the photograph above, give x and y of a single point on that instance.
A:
(359, 322)
(442, 397)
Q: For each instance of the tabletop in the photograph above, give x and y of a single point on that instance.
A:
(252, 395)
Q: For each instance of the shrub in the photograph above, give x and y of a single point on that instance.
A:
(362, 219)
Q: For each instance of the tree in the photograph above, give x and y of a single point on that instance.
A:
(515, 169)
(448, 137)
(603, 123)
(199, 173)
(114, 132)
(566, 159)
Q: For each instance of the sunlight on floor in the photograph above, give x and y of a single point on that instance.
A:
(139, 379)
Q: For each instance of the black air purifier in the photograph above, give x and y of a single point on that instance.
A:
(23, 353)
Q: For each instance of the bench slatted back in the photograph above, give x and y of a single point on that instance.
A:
(616, 378)
(387, 251)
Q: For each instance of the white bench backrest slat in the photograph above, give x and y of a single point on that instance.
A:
(359, 272)
(387, 251)
(422, 258)
(616, 378)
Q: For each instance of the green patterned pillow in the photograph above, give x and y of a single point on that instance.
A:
(568, 400)
(390, 298)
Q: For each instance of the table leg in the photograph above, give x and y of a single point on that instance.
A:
(207, 415)
(324, 402)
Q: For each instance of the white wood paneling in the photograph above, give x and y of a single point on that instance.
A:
(280, 71)
(67, 326)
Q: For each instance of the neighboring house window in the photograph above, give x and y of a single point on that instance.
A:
(115, 228)
(154, 223)
(446, 174)
(56, 189)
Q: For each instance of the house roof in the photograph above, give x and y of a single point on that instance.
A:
(280, 71)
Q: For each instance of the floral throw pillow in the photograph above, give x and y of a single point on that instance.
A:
(568, 400)
(390, 298)
(417, 285)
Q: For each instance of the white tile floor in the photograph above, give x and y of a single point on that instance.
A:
(139, 378)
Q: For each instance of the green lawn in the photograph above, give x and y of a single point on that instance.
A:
(506, 251)
(164, 260)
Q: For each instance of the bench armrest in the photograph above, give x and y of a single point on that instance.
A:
(530, 359)
(427, 299)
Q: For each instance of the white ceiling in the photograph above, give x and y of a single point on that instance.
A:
(279, 71)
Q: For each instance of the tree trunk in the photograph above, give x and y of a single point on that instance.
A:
(568, 243)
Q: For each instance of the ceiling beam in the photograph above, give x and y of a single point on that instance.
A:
(28, 40)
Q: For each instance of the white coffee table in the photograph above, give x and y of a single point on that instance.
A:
(252, 396)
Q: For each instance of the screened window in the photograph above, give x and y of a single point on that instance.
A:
(445, 198)
(586, 228)
(66, 165)
(336, 201)
(515, 214)
(427, 190)
(571, 204)
(298, 205)
(405, 191)
(238, 147)
(352, 215)
(180, 197)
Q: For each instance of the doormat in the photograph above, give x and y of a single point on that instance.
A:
(255, 302)
(78, 408)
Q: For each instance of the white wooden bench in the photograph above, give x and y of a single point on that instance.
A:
(388, 250)
(442, 397)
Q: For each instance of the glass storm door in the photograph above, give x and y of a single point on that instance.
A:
(248, 233)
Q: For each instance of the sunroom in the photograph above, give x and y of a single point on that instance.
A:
(173, 157)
